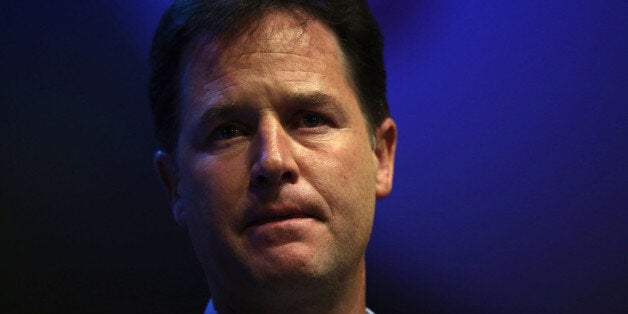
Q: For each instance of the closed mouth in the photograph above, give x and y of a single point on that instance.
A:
(268, 220)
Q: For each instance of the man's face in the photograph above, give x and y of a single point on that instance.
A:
(275, 176)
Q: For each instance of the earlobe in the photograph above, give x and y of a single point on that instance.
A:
(386, 144)
(167, 171)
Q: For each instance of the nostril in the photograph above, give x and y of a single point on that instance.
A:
(261, 179)
(266, 180)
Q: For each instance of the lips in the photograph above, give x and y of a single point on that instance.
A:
(264, 215)
(271, 219)
(269, 215)
(287, 205)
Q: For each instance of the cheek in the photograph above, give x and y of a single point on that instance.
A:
(345, 176)
(216, 192)
(349, 191)
(216, 189)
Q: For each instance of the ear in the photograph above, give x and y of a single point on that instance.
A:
(385, 146)
(169, 175)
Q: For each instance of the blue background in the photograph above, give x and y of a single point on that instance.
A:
(510, 185)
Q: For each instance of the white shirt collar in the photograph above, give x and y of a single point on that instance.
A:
(211, 310)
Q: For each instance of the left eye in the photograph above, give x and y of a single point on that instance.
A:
(311, 120)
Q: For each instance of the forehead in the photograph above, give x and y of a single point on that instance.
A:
(281, 31)
(291, 36)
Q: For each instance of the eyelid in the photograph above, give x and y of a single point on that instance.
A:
(214, 133)
(326, 120)
(323, 104)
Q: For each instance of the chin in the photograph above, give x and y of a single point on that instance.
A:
(291, 265)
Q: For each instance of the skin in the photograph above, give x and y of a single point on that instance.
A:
(274, 174)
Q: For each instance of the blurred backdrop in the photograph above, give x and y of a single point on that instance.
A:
(511, 179)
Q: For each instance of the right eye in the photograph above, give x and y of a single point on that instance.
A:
(227, 132)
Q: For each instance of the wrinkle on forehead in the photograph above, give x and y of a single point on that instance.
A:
(292, 30)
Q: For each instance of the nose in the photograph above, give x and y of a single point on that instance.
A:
(273, 156)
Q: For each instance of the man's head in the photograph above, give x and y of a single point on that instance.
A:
(187, 20)
(275, 169)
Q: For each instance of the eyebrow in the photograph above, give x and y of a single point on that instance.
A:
(220, 110)
(319, 100)
(314, 99)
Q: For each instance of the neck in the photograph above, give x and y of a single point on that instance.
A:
(346, 295)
